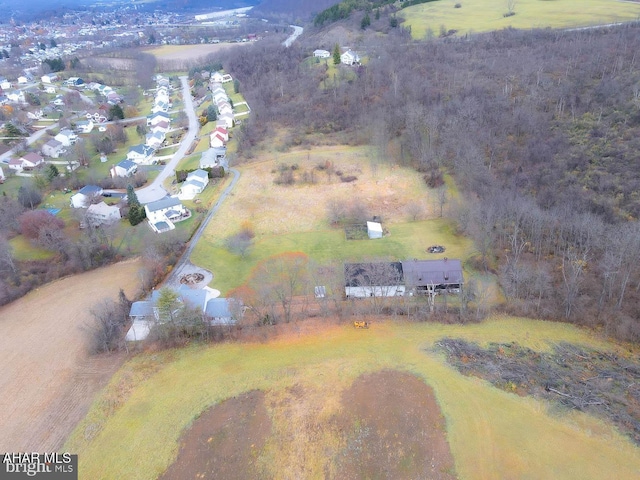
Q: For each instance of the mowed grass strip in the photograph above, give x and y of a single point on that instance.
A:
(492, 434)
(476, 16)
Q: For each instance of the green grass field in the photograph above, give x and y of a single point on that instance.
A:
(485, 15)
(492, 433)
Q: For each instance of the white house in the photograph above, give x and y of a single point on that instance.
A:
(31, 160)
(2, 177)
(49, 78)
(224, 107)
(214, 157)
(66, 137)
(154, 139)
(350, 58)
(321, 53)
(140, 153)
(16, 96)
(84, 126)
(125, 168)
(102, 214)
(216, 140)
(226, 120)
(15, 164)
(162, 213)
(49, 89)
(53, 148)
(4, 83)
(58, 101)
(216, 77)
(158, 117)
(85, 196)
(194, 184)
(160, 126)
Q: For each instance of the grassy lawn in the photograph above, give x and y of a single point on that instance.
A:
(492, 433)
(407, 240)
(23, 250)
(294, 218)
(487, 15)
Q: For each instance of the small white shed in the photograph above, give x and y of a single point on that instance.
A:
(374, 229)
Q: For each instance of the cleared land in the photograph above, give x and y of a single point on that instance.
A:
(293, 218)
(48, 380)
(309, 374)
(485, 15)
(190, 52)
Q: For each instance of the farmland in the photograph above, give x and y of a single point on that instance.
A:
(306, 375)
(475, 16)
(42, 338)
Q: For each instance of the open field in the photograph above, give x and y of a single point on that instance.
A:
(190, 52)
(47, 376)
(306, 375)
(485, 15)
(294, 218)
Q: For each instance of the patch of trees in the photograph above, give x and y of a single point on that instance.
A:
(55, 64)
(213, 172)
(544, 119)
(343, 9)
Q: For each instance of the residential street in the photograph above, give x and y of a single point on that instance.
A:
(156, 191)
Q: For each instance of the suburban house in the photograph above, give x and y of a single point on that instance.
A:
(4, 83)
(161, 126)
(321, 53)
(162, 213)
(58, 101)
(31, 160)
(140, 153)
(97, 117)
(74, 82)
(49, 78)
(50, 89)
(102, 214)
(53, 148)
(413, 277)
(66, 137)
(195, 183)
(350, 58)
(154, 139)
(214, 157)
(158, 117)
(226, 120)
(35, 114)
(216, 311)
(85, 196)
(15, 164)
(216, 140)
(84, 126)
(224, 107)
(16, 96)
(218, 77)
(125, 168)
(160, 106)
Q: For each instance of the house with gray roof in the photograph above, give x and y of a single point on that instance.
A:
(85, 196)
(162, 213)
(140, 154)
(124, 169)
(53, 148)
(194, 184)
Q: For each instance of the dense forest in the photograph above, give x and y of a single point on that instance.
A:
(539, 129)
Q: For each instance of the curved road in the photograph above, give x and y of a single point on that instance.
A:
(297, 31)
(156, 191)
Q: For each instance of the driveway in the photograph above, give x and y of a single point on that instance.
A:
(156, 191)
(184, 265)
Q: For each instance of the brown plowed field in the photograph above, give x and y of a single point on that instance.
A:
(389, 426)
(47, 378)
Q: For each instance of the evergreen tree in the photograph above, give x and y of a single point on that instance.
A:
(116, 112)
(366, 21)
(336, 55)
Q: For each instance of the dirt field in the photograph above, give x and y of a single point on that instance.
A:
(190, 52)
(48, 381)
(388, 426)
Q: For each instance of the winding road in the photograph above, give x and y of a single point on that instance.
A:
(156, 191)
(297, 31)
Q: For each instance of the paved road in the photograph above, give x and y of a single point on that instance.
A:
(156, 191)
(297, 31)
(174, 277)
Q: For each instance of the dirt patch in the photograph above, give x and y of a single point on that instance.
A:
(393, 429)
(600, 383)
(48, 379)
(224, 441)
